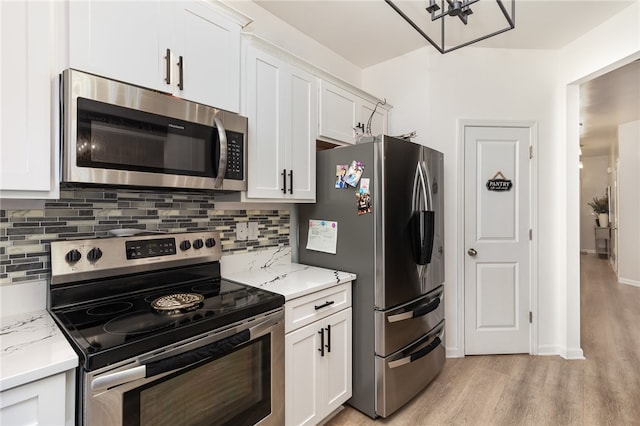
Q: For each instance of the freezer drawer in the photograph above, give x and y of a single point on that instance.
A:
(404, 374)
(396, 328)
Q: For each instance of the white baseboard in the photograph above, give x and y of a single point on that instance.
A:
(588, 251)
(566, 353)
(629, 282)
(454, 353)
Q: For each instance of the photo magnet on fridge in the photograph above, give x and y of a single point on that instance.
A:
(363, 202)
(341, 173)
(354, 173)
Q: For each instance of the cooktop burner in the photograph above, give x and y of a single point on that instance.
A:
(132, 325)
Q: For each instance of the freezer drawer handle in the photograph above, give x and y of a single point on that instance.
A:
(422, 310)
(416, 355)
(324, 305)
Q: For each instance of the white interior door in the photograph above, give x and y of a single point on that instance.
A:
(497, 245)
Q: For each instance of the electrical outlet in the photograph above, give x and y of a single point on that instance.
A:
(253, 231)
(241, 231)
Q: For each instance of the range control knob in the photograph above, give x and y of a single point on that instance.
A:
(72, 256)
(94, 254)
(197, 244)
(185, 245)
(210, 242)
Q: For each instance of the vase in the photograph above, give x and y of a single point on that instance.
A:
(603, 218)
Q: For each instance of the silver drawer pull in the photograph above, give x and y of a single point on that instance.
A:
(324, 305)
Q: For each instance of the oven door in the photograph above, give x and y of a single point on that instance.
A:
(232, 377)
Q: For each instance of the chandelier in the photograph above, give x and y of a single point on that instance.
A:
(435, 20)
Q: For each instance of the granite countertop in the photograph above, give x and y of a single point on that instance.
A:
(274, 271)
(32, 348)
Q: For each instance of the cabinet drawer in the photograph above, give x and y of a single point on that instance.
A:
(312, 307)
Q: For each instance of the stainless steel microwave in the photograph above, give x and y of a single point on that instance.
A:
(115, 133)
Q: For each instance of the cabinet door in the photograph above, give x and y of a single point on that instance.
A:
(27, 92)
(37, 403)
(303, 113)
(338, 112)
(379, 119)
(126, 41)
(302, 366)
(266, 146)
(338, 359)
(210, 48)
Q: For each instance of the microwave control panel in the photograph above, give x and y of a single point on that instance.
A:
(235, 155)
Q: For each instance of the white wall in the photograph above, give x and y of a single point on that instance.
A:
(614, 43)
(593, 183)
(283, 35)
(629, 204)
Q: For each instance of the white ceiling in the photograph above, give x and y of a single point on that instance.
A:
(367, 32)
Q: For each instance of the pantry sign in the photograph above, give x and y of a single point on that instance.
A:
(499, 183)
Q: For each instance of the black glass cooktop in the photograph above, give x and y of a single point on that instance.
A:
(113, 329)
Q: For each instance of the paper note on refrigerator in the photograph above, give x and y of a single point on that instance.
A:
(323, 236)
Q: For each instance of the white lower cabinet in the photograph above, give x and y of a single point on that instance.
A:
(318, 362)
(37, 403)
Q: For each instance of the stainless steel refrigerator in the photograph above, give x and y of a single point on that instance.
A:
(390, 232)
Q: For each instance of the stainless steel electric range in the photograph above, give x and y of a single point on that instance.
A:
(162, 339)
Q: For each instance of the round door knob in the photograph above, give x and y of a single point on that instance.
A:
(197, 244)
(472, 252)
(94, 254)
(73, 256)
(210, 242)
(185, 245)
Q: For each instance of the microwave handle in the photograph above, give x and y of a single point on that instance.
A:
(222, 163)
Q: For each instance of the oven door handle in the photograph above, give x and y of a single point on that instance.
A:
(219, 348)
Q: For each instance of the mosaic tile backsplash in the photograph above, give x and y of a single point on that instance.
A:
(86, 213)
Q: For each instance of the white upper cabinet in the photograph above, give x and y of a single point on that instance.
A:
(342, 111)
(28, 99)
(281, 105)
(186, 48)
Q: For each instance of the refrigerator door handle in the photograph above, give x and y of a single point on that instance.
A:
(421, 353)
(422, 222)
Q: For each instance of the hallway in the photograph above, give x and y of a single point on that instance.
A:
(604, 389)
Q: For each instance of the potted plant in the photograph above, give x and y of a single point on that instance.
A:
(600, 206)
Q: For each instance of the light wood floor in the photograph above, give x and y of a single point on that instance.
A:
(604, 389)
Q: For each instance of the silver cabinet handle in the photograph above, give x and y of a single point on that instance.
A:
(472, 252)
(222, 162)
